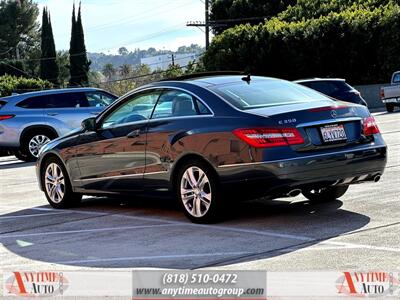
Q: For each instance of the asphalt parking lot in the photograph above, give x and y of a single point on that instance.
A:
(361, 231)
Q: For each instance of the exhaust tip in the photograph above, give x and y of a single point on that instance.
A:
(294, 193)
(377, 178)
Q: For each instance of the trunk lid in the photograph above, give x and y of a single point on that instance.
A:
(323, 124)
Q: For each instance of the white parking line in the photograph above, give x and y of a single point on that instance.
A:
(30, 216)
(214, 227)
(151, 257)
(83, 231)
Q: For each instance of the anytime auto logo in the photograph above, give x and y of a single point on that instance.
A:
(367, 284)
(35, 284)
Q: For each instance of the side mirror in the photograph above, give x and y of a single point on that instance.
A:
(89, 124)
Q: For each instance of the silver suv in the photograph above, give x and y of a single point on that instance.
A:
(30, 120)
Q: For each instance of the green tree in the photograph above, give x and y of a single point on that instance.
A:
(63, 65)
(123, 51)
(14, 84)
(48, 63)
(109, 71)
(18, 27)
(79, 64)
(125, 70)
(351, 44)
(234, 12)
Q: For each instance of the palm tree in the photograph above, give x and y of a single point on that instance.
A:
(108, 71)
(125, 70)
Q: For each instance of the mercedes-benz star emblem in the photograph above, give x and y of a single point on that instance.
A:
(334, 113)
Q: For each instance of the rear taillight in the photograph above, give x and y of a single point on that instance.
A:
(269, 137)
(382, 94)
(369, 126)
(327, 108)
(6, 117)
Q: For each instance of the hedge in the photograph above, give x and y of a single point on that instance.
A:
(361, 45)
(12, 84)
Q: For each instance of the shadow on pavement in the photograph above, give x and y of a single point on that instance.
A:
(107, 233)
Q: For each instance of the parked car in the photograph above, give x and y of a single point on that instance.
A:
(334, 87)
(210, 140)
(28, 121)
(390, 95)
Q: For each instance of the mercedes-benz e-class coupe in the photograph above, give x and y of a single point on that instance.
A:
(211, 140)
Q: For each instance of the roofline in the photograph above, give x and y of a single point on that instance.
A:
(318, 79)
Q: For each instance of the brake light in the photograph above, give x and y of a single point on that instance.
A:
(269, 137)
(369, 126)
(382, 93)
(327, 108)
(6, 117)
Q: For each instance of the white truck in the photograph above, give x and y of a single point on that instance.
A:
(390, 95)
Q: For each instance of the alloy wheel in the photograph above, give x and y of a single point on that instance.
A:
(196, 191)
(37, 142)
(55, 183)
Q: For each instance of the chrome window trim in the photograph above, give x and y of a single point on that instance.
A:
(164, 118)
(122, 176)
(211, 114)
(298, 158)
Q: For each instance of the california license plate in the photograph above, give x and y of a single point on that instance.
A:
(333, 133)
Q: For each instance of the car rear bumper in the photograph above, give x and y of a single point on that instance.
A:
(279, 177)
(391, 100)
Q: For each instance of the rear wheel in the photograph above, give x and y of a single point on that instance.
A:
(32, 142)
(389, 107)
(197, 191)
(57, 186)
(326, 194)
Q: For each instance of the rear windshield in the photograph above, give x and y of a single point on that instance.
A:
(266, 93)
(328, 87)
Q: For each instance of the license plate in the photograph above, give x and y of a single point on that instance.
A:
(333, 133)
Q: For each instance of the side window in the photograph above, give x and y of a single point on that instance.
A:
(35, 102)
(203, 110)
(68, 100)
(138, 108)
(175, 103)
(99, 99)
(396, 78)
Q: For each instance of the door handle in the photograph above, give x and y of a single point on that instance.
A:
(52, 114)
(134, 133)
(94, 113)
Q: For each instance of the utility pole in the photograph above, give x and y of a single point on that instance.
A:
(207, 23)
(173, 59)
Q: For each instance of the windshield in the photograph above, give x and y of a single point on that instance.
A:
(266, 93)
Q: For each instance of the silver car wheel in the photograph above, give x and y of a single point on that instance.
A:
(196, 191)
(37, 142)
(55, 183)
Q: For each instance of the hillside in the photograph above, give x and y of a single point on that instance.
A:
(133, 57)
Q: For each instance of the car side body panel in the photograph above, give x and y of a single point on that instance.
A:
(109, 161)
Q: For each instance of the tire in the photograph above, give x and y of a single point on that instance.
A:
(58, 190)
(32, 142)
(203, 204)
(389, 107)
(326, 194)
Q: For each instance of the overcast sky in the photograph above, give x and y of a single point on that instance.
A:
(110, 24)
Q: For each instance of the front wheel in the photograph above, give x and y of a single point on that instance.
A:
(389, 107)
(197, 191)
(326, 194)
(57, 186)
